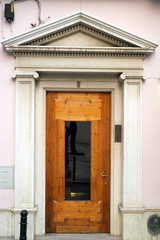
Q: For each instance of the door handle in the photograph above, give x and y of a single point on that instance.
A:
(104, 173)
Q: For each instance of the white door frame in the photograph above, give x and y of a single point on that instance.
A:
(125, 157)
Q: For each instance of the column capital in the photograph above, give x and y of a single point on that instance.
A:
(131, 76)
(23, 74)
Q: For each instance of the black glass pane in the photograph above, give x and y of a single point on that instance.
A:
(77, 160)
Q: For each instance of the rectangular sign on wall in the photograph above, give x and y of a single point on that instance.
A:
(6, 177)
(117, 133)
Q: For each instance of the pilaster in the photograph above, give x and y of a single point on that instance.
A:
(25, 149)
(131, 208)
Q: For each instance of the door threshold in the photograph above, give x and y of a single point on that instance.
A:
(78, 236)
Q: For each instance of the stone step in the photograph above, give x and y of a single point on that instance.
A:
(93, 236)
(60, 236)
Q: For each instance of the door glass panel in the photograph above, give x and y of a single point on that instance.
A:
(77, 160)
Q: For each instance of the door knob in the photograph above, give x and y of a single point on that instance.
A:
(104, 173)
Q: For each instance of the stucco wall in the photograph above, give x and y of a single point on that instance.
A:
(139, 17)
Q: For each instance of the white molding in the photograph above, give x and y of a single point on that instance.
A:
(132, 142)
(29, 210)
(131, 76)
(71, 85)
(71, 20)
(25, 149)
(23, 74)
(131, 210)
(5, 209)
(153, 209)
(88, 71)
(80, 51)
(25, 128)
(131, 206)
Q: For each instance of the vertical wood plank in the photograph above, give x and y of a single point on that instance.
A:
(59, 184)
(50, 156)
(95, 156)
(105, 149)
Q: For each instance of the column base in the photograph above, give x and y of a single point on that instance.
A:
(132, 223)
(30, 222)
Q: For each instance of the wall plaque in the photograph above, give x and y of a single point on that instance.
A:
(117, 133)
(6, 177)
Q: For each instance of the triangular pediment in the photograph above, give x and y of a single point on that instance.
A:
(78, 30)
(79, 39)
(80, 34)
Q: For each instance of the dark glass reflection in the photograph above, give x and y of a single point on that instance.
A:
(77, 160)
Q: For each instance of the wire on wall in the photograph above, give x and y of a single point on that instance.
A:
(39, 11)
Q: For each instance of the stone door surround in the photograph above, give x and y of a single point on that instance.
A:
(106, 59)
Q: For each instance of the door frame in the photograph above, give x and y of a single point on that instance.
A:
(126, 110)
(115, 88)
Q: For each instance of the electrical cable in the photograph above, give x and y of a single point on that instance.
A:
(39, 11)
(39, 8)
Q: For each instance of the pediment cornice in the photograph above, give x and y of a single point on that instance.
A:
(35, 40)
(79, 52)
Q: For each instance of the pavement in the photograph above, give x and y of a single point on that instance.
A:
(66, 236)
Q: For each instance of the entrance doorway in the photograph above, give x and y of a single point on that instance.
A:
(78, 162)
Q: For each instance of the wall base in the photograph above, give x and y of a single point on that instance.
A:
(133, 222)
(30, 223)
(6, 223)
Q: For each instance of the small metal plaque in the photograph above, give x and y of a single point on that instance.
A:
(154, 225)
(78, 84)
(117, 133)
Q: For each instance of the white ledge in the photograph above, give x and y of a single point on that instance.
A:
(51, 49)
(5, 209)
(106, 71)
(131, 209)
(29, 210)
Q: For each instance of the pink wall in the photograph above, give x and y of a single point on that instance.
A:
(151, 141)
(139, 17)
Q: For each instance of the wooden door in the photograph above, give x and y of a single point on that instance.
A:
(81, 216)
